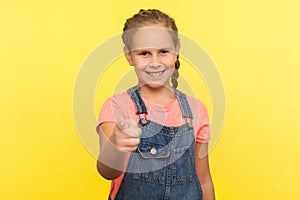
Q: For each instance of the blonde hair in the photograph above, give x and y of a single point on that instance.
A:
(154, 16)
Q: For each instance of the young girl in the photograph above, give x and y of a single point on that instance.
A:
(151, 135)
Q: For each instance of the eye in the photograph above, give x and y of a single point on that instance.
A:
(144, 53)
(163, 51)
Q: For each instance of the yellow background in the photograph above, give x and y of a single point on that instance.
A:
(255, 45)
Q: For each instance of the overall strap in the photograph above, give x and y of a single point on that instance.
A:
(134, 93)
(184, 105)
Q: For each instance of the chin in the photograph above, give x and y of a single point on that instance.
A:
(155, 85)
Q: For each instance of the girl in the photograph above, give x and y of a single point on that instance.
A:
(151, 135)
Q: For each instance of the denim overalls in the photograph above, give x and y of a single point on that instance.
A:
(163, 166)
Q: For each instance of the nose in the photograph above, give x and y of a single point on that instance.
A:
(155, 61)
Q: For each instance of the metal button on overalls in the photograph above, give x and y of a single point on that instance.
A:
(153, 150)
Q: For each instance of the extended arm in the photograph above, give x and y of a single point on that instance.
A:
(116, 143)
(110, 160)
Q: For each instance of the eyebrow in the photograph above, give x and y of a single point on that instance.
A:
(153, 48)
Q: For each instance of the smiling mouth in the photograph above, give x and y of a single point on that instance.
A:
(156, 73)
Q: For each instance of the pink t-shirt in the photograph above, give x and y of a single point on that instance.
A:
(121, 106)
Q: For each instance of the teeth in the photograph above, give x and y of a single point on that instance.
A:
(155, 73)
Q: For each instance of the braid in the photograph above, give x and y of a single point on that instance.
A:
(175, 74)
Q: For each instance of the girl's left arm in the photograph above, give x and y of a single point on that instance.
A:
(203, 172)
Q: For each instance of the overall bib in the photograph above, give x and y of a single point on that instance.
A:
(163, 165)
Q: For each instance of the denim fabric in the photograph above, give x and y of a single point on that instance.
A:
(163, 166)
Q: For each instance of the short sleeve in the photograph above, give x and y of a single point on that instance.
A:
(114, 109)
(106, 114)
(200, 120)
(203, 133)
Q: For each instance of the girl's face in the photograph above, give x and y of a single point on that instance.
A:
(153, 54)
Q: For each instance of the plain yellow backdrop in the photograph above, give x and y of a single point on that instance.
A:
(254, 44)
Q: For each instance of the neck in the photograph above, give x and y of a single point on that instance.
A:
(163, 95)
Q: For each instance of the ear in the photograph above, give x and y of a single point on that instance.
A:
(178, 46)
(127, 55)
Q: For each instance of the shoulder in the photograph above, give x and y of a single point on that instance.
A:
(190, 99)
(198, 109)
(118, 99)
(195, 103)
(118, 103)
(120, 96)
(115, 108)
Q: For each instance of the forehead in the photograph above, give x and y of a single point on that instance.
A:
(151, 37)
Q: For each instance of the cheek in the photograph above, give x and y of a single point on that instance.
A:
(140, 62)
(139, 69)
(170, 63)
